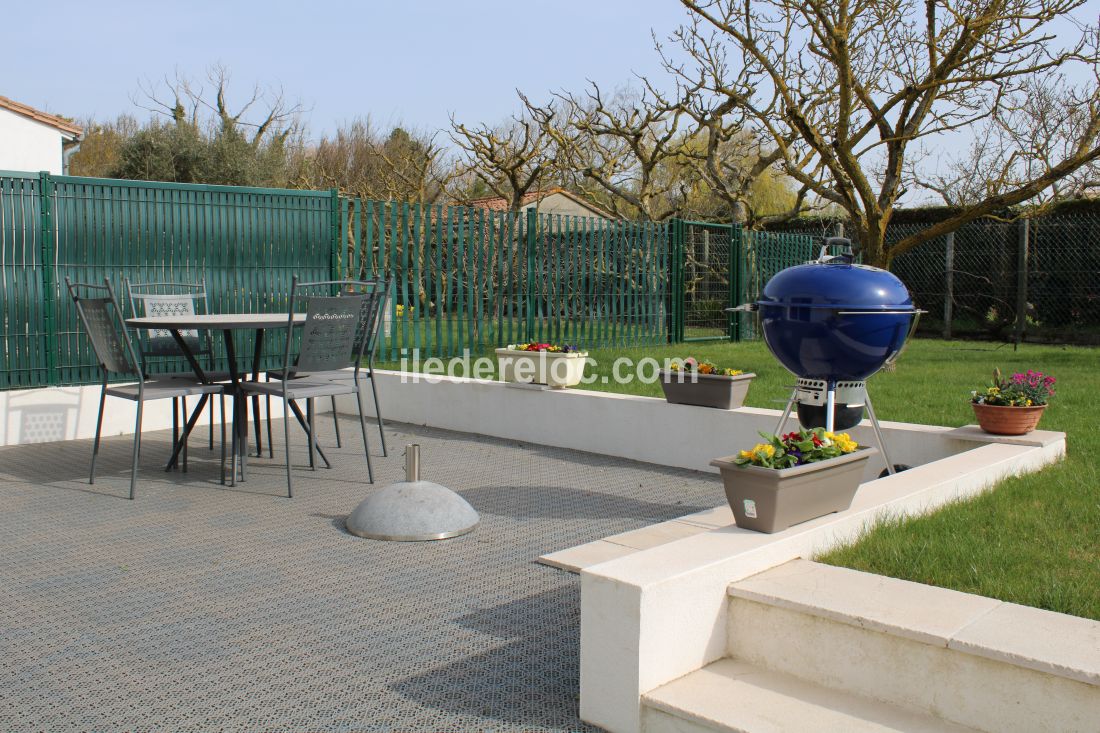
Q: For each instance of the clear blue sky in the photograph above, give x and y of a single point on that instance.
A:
(412, 62)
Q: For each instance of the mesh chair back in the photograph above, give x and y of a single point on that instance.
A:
(114, 352)
(338, 329)
(370, 318)
(328, 335)
(169, 299)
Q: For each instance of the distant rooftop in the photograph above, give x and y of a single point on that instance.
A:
(499, 203)
(66, 127)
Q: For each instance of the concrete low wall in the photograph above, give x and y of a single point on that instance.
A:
(69, 413)
(659, 614)
(627, 426)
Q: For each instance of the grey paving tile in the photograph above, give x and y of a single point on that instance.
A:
(198, 607)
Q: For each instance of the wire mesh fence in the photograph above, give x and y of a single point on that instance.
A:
(1032, 279)
(706, 279)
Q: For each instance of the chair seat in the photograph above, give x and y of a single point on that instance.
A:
(299, 389)
(277, 375)
(163, 389)
(212, 375)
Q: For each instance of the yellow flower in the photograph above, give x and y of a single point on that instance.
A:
(845, 443)
(746, 454)
(733, 372)
(763, 451)
(1029, 403)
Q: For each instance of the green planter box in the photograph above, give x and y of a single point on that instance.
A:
(708, 390)
(771, 500)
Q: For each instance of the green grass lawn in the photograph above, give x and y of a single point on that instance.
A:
(1033, 540)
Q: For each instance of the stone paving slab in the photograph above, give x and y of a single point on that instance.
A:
(198, 607)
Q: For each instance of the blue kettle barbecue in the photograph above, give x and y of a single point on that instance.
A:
(833, 323)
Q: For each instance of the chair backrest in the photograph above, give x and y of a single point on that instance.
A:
(338, 328)
(169, 299)
(110, 342)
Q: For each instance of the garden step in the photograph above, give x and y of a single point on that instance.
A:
(972, 660)
(729, 695)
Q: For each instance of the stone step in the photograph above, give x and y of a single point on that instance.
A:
(976, 661)
(729, 695)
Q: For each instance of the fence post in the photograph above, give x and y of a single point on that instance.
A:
(675, 281)
(529, 281)
(48, 244)
(734, 278)
(949, 285)
(1023, 227)
(336, 230)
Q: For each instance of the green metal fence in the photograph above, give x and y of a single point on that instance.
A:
(720, 266)
(246, 242)
(463, 278)
(470, 279)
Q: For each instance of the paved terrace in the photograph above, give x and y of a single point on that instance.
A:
(199, 607)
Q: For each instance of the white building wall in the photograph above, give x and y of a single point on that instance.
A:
(27, 145)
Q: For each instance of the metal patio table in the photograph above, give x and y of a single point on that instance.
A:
(227, 323)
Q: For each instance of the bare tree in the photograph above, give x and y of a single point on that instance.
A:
(621, 143)
(510, 159)
(363, 161)
(267, 115)
(842, 88)
(1024, 140)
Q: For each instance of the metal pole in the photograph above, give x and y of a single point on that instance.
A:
(830, 406)
(949, 285)
(786, 413)
(412, 462)
(1021, 281)
(878, 432)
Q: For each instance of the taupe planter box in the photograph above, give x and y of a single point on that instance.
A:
(771, 500)
(709, 390)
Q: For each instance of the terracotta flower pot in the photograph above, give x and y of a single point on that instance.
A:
(773, 499)
(707, 390)
(1002, 420)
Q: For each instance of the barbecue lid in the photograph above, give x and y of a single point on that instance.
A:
(837, 284)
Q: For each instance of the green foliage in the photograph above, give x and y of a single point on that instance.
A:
(182, 153)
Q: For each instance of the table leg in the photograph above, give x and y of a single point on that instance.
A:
(187, 428)
(240, 426)
(190, 422)
(257, 353)
(305, 426)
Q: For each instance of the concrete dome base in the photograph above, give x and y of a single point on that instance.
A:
(413, 511)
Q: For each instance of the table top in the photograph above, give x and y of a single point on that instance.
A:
(216, 321)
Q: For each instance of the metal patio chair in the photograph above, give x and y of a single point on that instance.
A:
(328, 343)
(366, 339)
(174, 299)
(116, 356)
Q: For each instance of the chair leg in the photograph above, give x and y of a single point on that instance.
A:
(286, 437)
(270, 447)
(336, 421)
(183, 409)
(98, 430)
(221, 400)
(233, 444)
(363, 427)
(258, 425)
(378, 414)
(211, 424)
(312, 433)
(137, 449)
(175, 422)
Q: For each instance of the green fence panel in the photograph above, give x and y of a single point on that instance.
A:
(246, 242)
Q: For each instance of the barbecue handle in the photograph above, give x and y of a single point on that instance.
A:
(880, 313)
